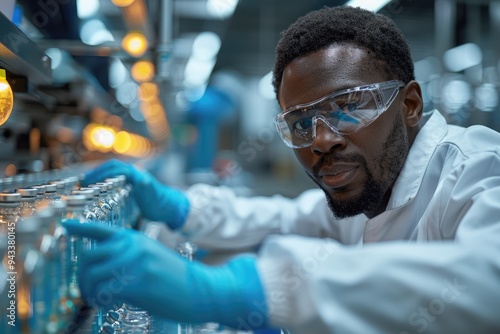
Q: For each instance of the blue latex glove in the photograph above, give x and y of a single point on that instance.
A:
(156, 201)
(128, 266)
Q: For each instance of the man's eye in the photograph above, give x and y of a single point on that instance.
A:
(349, 107)
(303, 124)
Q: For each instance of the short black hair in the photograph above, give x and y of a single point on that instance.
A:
(345, 25)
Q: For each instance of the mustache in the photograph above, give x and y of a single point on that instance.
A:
(332, 158)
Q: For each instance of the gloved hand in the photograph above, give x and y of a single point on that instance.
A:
(157, 202)
(128, 266)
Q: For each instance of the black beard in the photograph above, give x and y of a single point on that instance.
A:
(395, 150)
(369, 200)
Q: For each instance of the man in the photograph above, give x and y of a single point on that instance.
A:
(403, 236)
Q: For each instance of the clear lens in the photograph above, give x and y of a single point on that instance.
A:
(345, 112)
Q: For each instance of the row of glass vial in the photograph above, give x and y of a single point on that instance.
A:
(11, 184)
(40, 259)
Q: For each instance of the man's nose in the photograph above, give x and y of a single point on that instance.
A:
(325, 137)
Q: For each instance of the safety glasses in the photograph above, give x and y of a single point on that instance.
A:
(345, 112)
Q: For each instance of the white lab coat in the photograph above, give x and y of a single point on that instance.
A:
(429, 264)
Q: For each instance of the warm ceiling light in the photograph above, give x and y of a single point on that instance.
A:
(123, 142)
(6, 98)
(135, 43)
(148, 91)
(103, 138)
(143, 71)
(122, 3)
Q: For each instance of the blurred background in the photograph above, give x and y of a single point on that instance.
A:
(183, 87)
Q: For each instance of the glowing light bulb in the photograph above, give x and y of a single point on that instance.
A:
(135, 43)
(142, 71)
(122, 3)
(123, 142)
(6, 98)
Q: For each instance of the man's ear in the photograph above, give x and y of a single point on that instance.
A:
(412, 103)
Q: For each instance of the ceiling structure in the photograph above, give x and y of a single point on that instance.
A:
(248, 37)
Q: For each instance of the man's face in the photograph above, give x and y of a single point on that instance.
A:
(355, 171)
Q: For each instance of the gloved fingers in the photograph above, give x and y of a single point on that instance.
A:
(94, 231)
(159, 202)
(108, 169)
(102, 293)
(114, 271)
(96, 174)
(121, 250)
(115, 280)
(106, 251)
(89, 277)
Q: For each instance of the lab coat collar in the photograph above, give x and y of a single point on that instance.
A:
(405, 189)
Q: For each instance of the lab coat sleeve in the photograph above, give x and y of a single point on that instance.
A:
(220, 220)
(445, 286)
